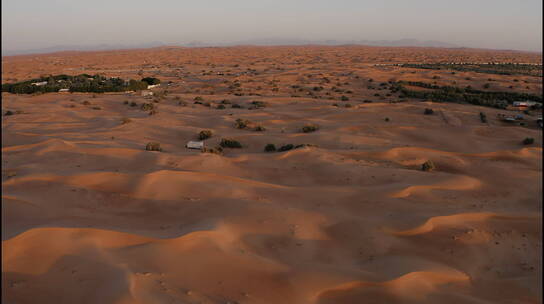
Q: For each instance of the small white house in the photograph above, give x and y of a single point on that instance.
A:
(151, 86)
(64, 90)
(39, 84)
(195, 145)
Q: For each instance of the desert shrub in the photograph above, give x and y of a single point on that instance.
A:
(225, 101)
(236, 106)
(304, 145)
(335, 105)
(125, 120)
(96, 108)
(348, 105)
(147, 107)
(487, 86)
(182, 103)
(344, 98)
(257, 105)
(286, 147)
(310, 128)
(483, 117)
(216, 150)
(528, 141)
(367, 101)
(133, 104)
(428, 166)
(8, 113)
(205, 134)
(270, 148)
(125, 102)
(198, 98)
(207, 104)
(428, 111)
(86, 103)
(260, 128)
(387, 119)
(153, 146)
(153, 112)
(241, 123)
(221, 107)
(151, 80)
(230, 143)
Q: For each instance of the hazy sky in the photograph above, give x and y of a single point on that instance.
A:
(501, 24)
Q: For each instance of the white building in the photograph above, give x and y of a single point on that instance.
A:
(151, 86)
(39, 83)
(64, 90)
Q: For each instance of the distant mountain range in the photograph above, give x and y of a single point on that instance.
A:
(259, 42)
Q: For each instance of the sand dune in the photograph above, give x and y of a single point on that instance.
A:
(90, 216)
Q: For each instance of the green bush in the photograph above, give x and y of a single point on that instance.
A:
(8, 113)
(528, 141)
(270, 148)
(205, 134)
(151, 80)
(310, 128)
(230, 143)
(260, 128)
(286, 147)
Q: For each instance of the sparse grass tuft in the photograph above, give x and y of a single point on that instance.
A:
(153, 146)
(260, 128)
(241, 123)
(216, 150)
(147, 107)
(428, 166)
